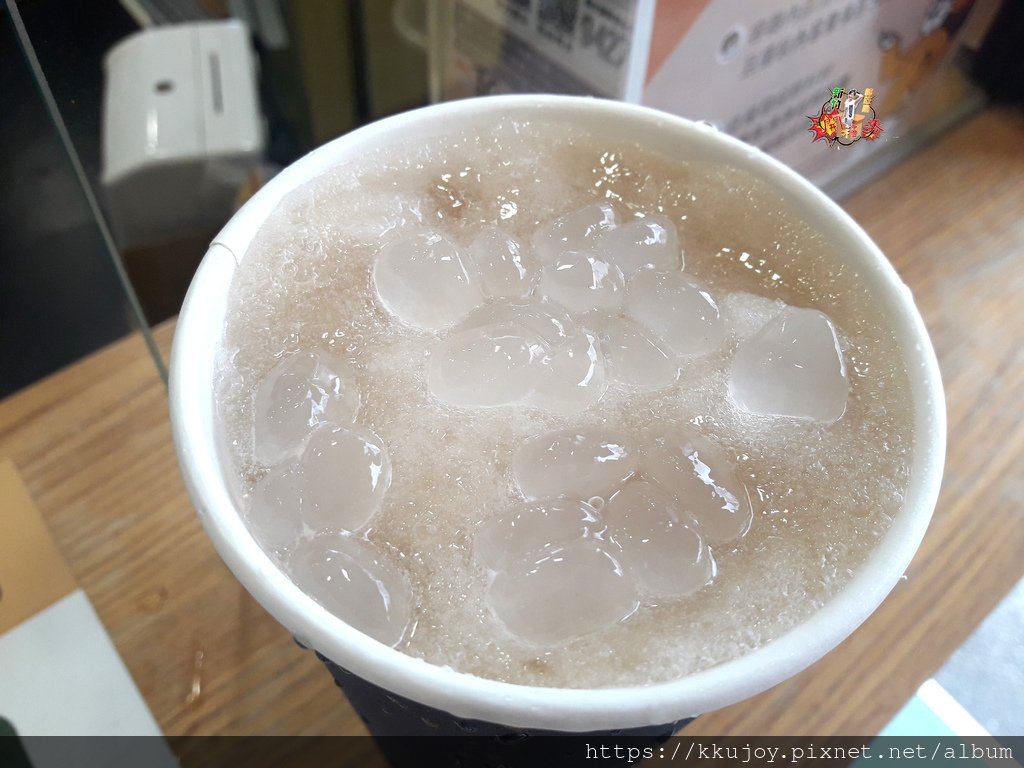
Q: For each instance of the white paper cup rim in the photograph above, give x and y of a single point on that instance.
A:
(206, 467)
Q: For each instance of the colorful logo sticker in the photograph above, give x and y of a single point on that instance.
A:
(840, 122)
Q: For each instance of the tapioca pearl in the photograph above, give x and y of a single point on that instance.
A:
(581, 281)
(660, 542)
(529, 527)
(304, 390)
(345, 472)
(572, 377)
(575, 462)
(648, 243)
(702, 478)
(579, 230)
(500, 263)
(569, 591)
(678, 309)
(425, 282)
(633, 356)
(356, 582)
(487, 366)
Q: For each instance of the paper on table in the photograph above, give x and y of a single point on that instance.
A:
(60, 673)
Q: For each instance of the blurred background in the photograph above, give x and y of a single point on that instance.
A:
(131, 130)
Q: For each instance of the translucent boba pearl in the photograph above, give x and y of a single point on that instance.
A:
(577, 463)
(356, 582)
(301, 392)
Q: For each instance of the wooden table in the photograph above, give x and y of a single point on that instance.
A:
(93, 446)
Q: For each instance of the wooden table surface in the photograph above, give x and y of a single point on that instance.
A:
(93, 445)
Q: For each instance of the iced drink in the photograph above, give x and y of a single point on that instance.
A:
(608, 419)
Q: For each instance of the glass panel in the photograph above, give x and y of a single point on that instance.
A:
(64, 294)
(173, 113)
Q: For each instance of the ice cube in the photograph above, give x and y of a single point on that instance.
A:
(276, 508)
(345, 473)
(548, 321)
(648, 243)
(574, 462)
(676, 308)
(576, 231)
(702, 479)
(498, 261)
(792, 367)
(423, 280)
(530, 527)
(571, 378)
(661, 544)
(356, 582)
(486, 366)
(565, 592)
(580, 282)
(632, 356)
(302, 391)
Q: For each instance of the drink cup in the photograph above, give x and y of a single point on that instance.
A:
(398, 695)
